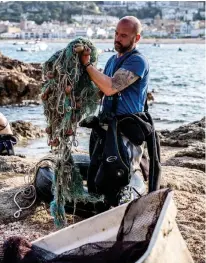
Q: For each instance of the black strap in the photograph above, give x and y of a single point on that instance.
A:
(146, 106)
(114, 103)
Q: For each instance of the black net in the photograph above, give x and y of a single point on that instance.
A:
(132, 239)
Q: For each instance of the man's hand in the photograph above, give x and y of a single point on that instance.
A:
(85, 56)
(109, 86)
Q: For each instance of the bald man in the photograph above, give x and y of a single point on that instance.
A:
(130, 80)
(126, 74)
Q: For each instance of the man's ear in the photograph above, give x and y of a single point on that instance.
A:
(137, 38)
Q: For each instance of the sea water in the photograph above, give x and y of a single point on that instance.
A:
(176, 77)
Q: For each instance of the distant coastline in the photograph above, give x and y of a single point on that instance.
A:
(143, 40)
(173, 41)
(160, 41)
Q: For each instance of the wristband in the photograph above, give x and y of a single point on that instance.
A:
(88, 64)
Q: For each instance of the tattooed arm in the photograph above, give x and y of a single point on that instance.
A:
(109, 86)
(122, 79)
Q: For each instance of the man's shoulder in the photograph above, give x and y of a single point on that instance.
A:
(136, 63)
(138, 57)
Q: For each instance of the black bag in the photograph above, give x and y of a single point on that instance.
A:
(96, 147)
(7, 143)
(96, 160)
(114, 170)
(136, 127)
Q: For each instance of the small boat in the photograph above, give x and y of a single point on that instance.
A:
(28, 49)
(32, 42)
(39, 46)
(165, 245)
(109, 50)
(19, 43)
(156, 45)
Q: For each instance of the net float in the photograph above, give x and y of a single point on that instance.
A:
(78, 105)
(44, 96)
(50, 75)
(47, 91)
(69, 132)
(48, 130)
(54, 142)
(68, 90)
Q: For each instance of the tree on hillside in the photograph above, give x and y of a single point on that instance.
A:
(40, 11)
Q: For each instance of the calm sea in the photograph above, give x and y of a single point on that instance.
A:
(177, 78)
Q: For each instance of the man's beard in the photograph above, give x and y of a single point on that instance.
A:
(123, 49)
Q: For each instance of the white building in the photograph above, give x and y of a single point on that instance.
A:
(101, 33)
(10, 35)
(83, 32)
(153, 32)
(185, 29)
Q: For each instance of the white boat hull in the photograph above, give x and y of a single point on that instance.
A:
(166, 244)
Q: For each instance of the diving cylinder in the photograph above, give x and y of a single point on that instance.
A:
(137, 184)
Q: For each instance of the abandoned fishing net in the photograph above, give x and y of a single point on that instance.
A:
(130, 244)
(68, 94)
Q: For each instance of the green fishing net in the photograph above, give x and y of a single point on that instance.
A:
(68, 94)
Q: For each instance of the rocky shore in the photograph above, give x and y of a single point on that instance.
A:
(19, 81)
(23, 130)
(183, 165)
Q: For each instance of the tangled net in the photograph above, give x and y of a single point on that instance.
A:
(67, 94)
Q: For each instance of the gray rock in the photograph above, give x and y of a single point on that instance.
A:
(184, 135)
(173, 143)
(188, 162)
(26, 130)
(18, 81)
(16, 164)
(197, 151)
(8, 206)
